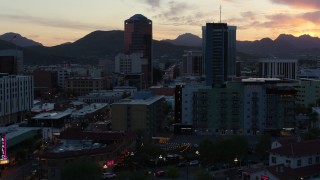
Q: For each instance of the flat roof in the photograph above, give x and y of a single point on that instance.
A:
(89, 109)
(43, 107)
(14, 130)
(53, 115)
(277, 60)
(148, 101)
(260, 79)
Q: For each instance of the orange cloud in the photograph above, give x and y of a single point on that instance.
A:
(314, 4)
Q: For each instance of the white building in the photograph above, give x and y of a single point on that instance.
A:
(278, 68)
(254, 105)
(192, 64)
(309, 73)
(289, 160)
(187, 102)
(129, 63)
(16, 97)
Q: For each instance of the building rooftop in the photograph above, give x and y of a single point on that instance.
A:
(84, 143)
(283, 172)
(53, 115)
(90, 135)
(298, 149)
(14, 130)
(260, 79)
(89, 109)
(277, 60)
(138, 17)
(45, 107)
(148, 101)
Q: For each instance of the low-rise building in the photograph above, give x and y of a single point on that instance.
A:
(290, 160)
(85, 85)
(98, 147)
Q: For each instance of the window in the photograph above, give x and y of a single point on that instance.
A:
(274, 160)
(317, 159)
(310, 160)
(299, 162)
(288, 161)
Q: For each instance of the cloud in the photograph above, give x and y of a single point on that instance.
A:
(176, 8)
(153, 3)
(58, 23)
(312, 16)
(248, 15)
(314, 4)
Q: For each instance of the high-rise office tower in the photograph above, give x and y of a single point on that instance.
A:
(138, 39)
(219, 52)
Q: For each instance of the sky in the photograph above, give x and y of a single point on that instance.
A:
(53, 22)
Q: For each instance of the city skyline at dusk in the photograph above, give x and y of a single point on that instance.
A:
(52, 23)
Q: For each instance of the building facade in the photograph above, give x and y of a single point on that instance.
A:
(192, 64)
(139, 115)
(219, 53)
(138, 39)
(11, 61)
(129, 63)
(278, 68)
(219, 110)
(16, 98)
(84, 85)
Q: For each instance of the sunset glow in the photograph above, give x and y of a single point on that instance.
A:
(55, 22)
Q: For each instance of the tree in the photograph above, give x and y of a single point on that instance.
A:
(81, 170)
(207, 150)
(203, 175)
(311, 134)
(172, 172)
(263, 146)
(134, 175)
(223, 150)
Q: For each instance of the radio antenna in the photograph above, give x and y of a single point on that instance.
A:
(220, 12)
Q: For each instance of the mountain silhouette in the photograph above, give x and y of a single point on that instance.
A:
(19, 40)
(95, 45)
(285, 45)
(106, 44)
(186, 39)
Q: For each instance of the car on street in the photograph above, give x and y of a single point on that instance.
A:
(194, 162)
(108, 175)
(159, 173)
(181, 164)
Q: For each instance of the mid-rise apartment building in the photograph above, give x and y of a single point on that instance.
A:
(16, 98)
(143, 115)
(84, 85)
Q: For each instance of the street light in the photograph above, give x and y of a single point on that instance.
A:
(197, 153)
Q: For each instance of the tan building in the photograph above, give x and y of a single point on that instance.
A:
(84, 85)
(139, 115)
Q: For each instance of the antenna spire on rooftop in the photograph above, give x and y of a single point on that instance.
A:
(220, 12)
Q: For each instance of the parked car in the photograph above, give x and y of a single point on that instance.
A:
(194, 162)
(181, 164)
(108, 175)
(159, 173)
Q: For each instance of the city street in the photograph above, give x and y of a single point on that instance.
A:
(18, 172)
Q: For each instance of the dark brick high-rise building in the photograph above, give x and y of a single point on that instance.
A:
(138, 39)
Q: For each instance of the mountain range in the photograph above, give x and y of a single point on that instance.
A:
(106, 44)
